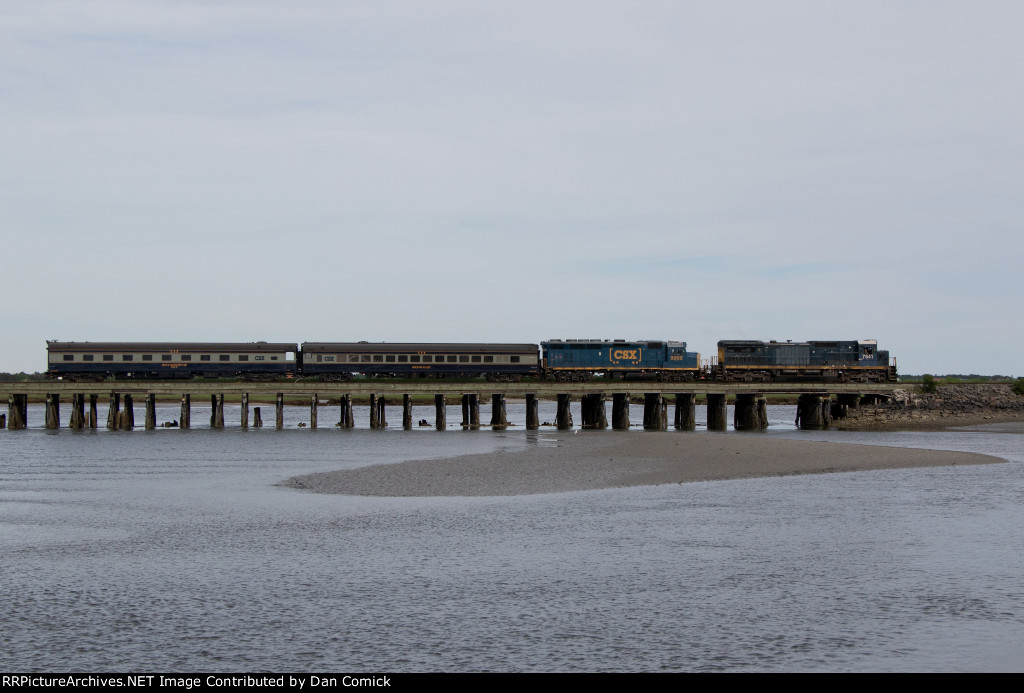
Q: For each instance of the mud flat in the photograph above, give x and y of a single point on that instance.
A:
(609, 459)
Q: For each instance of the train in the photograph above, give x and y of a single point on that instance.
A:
(569, 360)
(842, 361)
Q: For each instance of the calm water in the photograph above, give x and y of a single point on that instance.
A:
(171, 550)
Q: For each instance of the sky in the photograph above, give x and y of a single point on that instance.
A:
(514, 172)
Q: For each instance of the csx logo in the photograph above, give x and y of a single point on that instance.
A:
(625, 354)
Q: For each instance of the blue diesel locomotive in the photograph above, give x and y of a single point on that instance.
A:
(581, 359)
(748, 360)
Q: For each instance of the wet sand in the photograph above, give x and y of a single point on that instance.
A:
(599, 460)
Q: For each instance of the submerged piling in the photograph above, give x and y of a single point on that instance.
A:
(620, 411)
(718, 412)
(563, 417)
(686, 414)
(440, 412)
(499, 418)
(532, 412)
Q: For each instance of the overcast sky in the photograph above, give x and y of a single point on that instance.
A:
(514, 171)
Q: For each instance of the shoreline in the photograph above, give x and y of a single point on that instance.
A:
(605, 460)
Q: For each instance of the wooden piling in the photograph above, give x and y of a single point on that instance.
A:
(17, 412)
(532, 412)
(620, 411)
(686, 411)
(129, 412)
(747, 413)
(279, 421)
(474, 411)
(844, 402)
(257, 418)
(217, 415)
(112, 410)
(346, 418)
(406, 412)
(93, 409)
(314, 403)
(499, 418)
(718, 412)
(53, 411)
(586, 411)
(465, 411)
(810, 412)
(597, 415)
(382, 417)
(655, 412)
(592, 412)
(563, 416)
(3, 421)
(77, 420)
(185, 419)
(762, 410)
(440, 412)
(374, 412)
(150, 411)
(245, 411)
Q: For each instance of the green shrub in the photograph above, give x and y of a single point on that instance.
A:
(928, 384)
(1018, 386)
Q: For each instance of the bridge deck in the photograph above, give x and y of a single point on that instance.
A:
(426, 387)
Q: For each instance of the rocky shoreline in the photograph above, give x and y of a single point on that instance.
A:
(951, 405)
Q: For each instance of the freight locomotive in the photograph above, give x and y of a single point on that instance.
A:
(560, 360)
(842, 361)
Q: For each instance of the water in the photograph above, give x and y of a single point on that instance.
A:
(176, 551)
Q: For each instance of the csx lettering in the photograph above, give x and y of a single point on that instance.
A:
(626, 354)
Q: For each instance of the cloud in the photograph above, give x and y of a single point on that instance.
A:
(513, 172)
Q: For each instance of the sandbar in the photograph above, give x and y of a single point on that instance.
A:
(593, 460)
